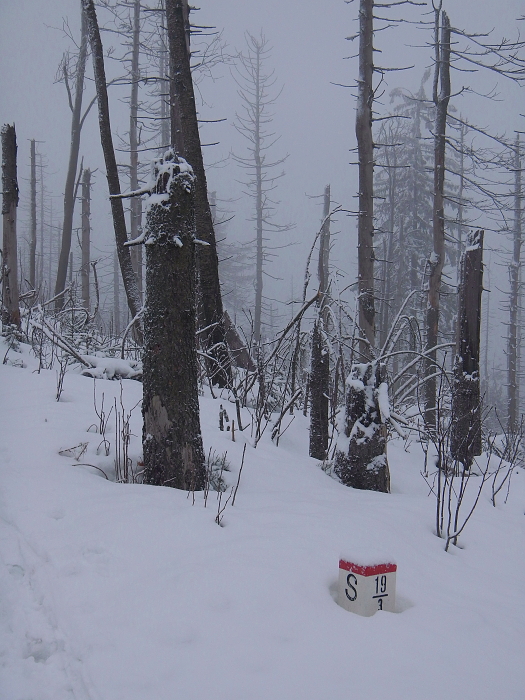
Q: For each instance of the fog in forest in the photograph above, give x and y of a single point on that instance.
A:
(314, 69)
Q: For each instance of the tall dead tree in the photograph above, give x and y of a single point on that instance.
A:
(255, 81)
(172, 442)
(320, 359)
(514, 298)
(441, 98)
(365, 150)
(363, 462)
(186, 140)
(32, 237)
(77, 121)
(10, 300)
(465, 438)
(136, 202)
(86, 237)
(117, 210)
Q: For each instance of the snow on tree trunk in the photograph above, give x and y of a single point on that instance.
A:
(10, 305)
(172, 442)
(188, 144)
(465, 439)
(360, 459)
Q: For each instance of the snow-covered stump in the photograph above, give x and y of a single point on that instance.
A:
(361, 460)
(465, 437)
(172, 441)
(365, 588)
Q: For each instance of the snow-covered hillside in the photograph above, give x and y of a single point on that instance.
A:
(129, 592)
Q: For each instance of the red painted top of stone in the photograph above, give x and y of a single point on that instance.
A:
(367, 570)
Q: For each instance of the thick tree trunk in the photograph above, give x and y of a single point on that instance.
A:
(117, 208)
(465, 440)
(188, 145)
(32, 238)
(437, 259)
(173, 452)
(320, 360)
(10, 301)
(514, 300)
(86, 237)
(365, 149)
(135, 202)
(69, 191)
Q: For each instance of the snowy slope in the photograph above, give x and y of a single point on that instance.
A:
(130, 592)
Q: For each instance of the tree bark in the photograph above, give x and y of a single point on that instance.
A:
(173, 452)
(465, 440)
(135, 202)
(437, 259)
(187, 143)
(365, 149)
(320, 360)
(10, 305)
(32, 239)
(86, 237)
(514, 301)
(117, 209)
(69, 191)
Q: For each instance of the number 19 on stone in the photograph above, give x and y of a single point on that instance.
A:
(366, 589)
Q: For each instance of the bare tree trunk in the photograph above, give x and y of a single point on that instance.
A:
(514, 301)
(365, 465)
(69, 191)
(188, 144)
(32, 239)
(437, 259)
(465, 439)
(86, 237)
(10, 301)
(365, 148)
(116, 295)
(258, 200)
(320, 360)
(42, 211)
(173, 451)
(117, 208)
(135, 202)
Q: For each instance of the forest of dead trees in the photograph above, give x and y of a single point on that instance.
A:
(401, 349)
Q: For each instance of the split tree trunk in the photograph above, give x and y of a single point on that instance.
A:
(117, 208)
(437, 259)
(320, 360)
(10, 301)
(69, 191)
(187, 142)
(465, 440)
(86, 237)
(173, 451)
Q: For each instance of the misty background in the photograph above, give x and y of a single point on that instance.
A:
(313, 116)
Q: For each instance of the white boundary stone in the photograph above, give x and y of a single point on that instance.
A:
(366, 589)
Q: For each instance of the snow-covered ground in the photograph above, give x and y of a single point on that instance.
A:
(128, 592)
